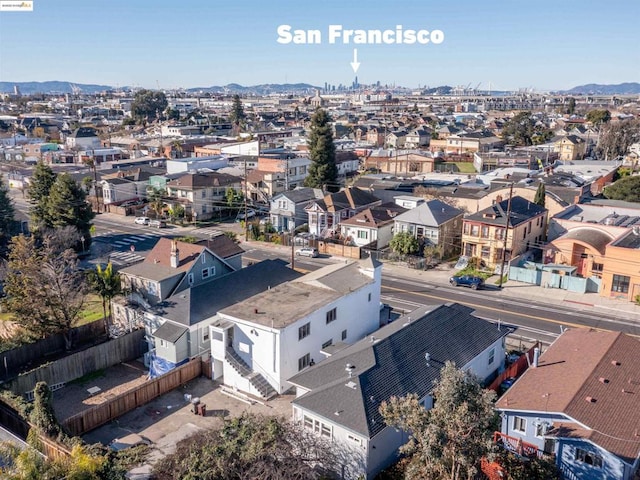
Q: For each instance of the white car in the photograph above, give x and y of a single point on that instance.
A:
(250, 214)
(142, 221)
(307, 252)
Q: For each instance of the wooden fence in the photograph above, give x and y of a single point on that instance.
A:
(113, 408)
(514, 370)
(15, 360)
(107, 354)
(330, 248)
(12, 421)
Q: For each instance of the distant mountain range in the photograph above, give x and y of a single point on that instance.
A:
(631, 88)
(28, 88)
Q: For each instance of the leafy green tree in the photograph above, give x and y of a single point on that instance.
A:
(323, 171)
(42, 415)
(106, 283)
(616, 138)
(404, 243)
(43, 287)
(7, 214)
(598, 116)
(523, 130)
(237, 115)
(42, 180)
(233, 198)
(626, 189)
(156, 202)
(67, 206)
(541, 195)
(249, 446)
(148, 105)
(448, 441)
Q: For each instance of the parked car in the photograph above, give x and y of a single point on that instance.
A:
(467, 281)
(142, 220)
(307, 252)
(241, 215)
(158, 223)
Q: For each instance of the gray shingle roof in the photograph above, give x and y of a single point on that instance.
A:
(204, 301)
(393, 364)
(522, 210)
(170, 332)
(432, 214)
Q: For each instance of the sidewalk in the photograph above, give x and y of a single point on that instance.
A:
(588, 302)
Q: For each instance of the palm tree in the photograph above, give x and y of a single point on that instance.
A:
(106, 283)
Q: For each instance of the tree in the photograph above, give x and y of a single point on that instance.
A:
(323, 171)
(156, 202)
(42, 180)
(449, 440)
(616, 138)
(626, 189)
(233, 198)
(523, 130)
(7, 214)
(42, 415)
(106, 283)
(148, 104)
(598, 116)
(44, 288)
(237, 115)
(67, 206)
(541, 195)
(571, 106)
(404, 243)
(249, 446)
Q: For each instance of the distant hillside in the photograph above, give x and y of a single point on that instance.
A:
(263, 89)
(29, 88)
(630, 88)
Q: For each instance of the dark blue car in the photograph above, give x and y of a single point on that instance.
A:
(467, 281)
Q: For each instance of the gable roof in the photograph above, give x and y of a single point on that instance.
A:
(203, 301)
(300, 195)
(585, 364)
(375, 217)
(432, 213)
(190, 181)
(222, 246)
(349, 197)
(522, 210)
(392, 362)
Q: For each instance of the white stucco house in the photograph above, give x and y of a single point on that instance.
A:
(340, 397)
(373, 226)
(258, 344)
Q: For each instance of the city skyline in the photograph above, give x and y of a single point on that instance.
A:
(167, 45)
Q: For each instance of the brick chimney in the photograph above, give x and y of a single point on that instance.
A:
(175, 255)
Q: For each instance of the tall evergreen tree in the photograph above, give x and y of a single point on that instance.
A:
(42, 180)
(68, 206)
(237, 112)
(541, 195)
(323, 171)
(7, 214)
(106, 283)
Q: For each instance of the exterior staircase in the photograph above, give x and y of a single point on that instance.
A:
(258, 382)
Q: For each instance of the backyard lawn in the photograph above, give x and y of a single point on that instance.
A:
(92, 311)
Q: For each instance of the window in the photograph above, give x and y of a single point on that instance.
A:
(190, 278)
(620, 284)
(500, 233)
(344, 335)
(492, 355)
(303, 362)
(589, 458)
(327, 343)
(205, 273)
(475, 230)
(596, 268)
(355, 439)
(205, 337)
(485, 252)
(317, 426)
(204, 259)
(369, 296)
(304, 331)
(485, 231)
(363, 234)
(332, 315)
(519, 424)
(541, 429)
(466, 228)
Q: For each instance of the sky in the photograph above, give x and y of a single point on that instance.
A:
(507, 45)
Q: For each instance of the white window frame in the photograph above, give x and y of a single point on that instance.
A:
(519, 424)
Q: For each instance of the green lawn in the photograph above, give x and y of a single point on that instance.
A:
(463, 167)
(92, 311)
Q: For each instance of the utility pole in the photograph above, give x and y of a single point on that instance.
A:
(246, 185)
(506, 236)
(293, 255)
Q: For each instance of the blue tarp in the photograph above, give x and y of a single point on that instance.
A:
(159, 366)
